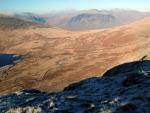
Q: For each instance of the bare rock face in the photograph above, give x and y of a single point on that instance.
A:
(123, 89)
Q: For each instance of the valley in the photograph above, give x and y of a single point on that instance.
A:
(54, 57)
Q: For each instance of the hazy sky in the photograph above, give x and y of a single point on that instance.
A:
(40, 6)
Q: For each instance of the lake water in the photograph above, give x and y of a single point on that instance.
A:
(8, 59)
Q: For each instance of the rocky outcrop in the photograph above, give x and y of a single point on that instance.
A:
(123, 89)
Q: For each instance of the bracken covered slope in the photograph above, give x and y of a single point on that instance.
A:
(55, 58)
(123, 89)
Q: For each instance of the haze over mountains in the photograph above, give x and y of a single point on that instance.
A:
(48, 52)
(85, 19)
(74, 56)
(11, 23)
(55, 57)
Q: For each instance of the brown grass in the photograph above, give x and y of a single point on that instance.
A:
(57, 57)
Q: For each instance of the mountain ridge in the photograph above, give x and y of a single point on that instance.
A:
(12, 23)
(94, 21)
(57, 56)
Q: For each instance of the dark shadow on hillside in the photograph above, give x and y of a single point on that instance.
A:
(123, 89)
(136, 66)
(8, 59)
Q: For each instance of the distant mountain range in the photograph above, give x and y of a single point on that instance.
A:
(85, 19)
(11, 22)
(8, 23)
(31, 17)
(54, 58)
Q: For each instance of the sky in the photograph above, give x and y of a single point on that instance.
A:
(44, 6)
